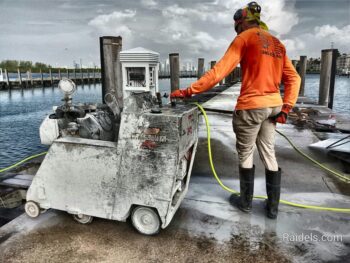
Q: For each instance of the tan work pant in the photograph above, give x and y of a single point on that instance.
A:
(253, 127)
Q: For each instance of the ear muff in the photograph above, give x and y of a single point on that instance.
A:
(237, 17)
(254, 7)
(244, 13)
(250, 13)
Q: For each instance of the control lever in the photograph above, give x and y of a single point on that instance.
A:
(159, 99)
(112, 103)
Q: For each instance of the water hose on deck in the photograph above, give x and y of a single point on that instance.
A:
(22, 161)
(334, 209)
(332, 171)
(228, 189)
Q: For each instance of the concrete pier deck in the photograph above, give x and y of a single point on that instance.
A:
(207, 228)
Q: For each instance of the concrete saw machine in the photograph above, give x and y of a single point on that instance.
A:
(115, 163)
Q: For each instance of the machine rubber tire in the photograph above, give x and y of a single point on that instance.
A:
(43, 211)
(32, 209)
(83, 219)
(145, 220)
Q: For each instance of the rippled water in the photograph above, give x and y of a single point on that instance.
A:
(22, 111)
(341, 101)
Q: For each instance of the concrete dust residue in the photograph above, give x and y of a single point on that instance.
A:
(108, 241)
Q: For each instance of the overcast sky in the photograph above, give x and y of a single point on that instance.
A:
(60, 31)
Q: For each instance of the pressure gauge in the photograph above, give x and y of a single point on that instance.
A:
(67, 86)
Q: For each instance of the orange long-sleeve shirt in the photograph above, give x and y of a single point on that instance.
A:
(264, 65)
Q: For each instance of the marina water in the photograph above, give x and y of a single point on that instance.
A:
(22, 111)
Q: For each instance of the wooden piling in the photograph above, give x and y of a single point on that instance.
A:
(31, 78)
(42, 78)
(88, 76)
(111, 72)
(28, 78)
(327, 77)
(174, 62)
(295, 64)
(302, 73)
(200, 68)
(229, 78)
(19, 77)
(212, 64)
(67, 71)
(51, 79)
(59, 75)
(81, 76)
(93, 74)
(8, 83)
(75, 75)
(237, 74)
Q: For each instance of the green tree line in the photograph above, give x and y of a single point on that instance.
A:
(24, 65)
(13, 65)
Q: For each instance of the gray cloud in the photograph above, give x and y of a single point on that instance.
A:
(60, 31)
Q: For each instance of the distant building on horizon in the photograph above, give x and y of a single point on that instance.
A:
(343, 64)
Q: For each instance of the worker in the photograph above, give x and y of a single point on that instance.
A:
(264, 65)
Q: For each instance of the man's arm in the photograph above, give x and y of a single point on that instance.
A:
(221, 69)
(227, 63)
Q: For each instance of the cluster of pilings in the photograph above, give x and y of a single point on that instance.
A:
(327, 76)
(174, 61)
(111, 46)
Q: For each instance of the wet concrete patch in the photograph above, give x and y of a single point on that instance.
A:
(108, 241)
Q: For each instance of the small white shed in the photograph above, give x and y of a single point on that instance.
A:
(140, 70)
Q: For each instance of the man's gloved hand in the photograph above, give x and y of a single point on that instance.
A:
(181, 94)
(281, 117)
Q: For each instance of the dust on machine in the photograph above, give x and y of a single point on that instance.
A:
(116, 162)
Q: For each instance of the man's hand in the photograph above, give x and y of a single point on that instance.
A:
(181, 94)
(281, 117)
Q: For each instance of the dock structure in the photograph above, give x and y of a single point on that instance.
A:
(46, 79)
(182, 74)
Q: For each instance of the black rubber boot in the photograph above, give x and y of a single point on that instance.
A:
(246, 178)
(273, 190)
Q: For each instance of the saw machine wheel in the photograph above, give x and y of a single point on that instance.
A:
(83, 219)
(145, 220)
(32, 209)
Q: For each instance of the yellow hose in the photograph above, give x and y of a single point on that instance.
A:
(23, 161)
(332, 171)
(334, 209)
